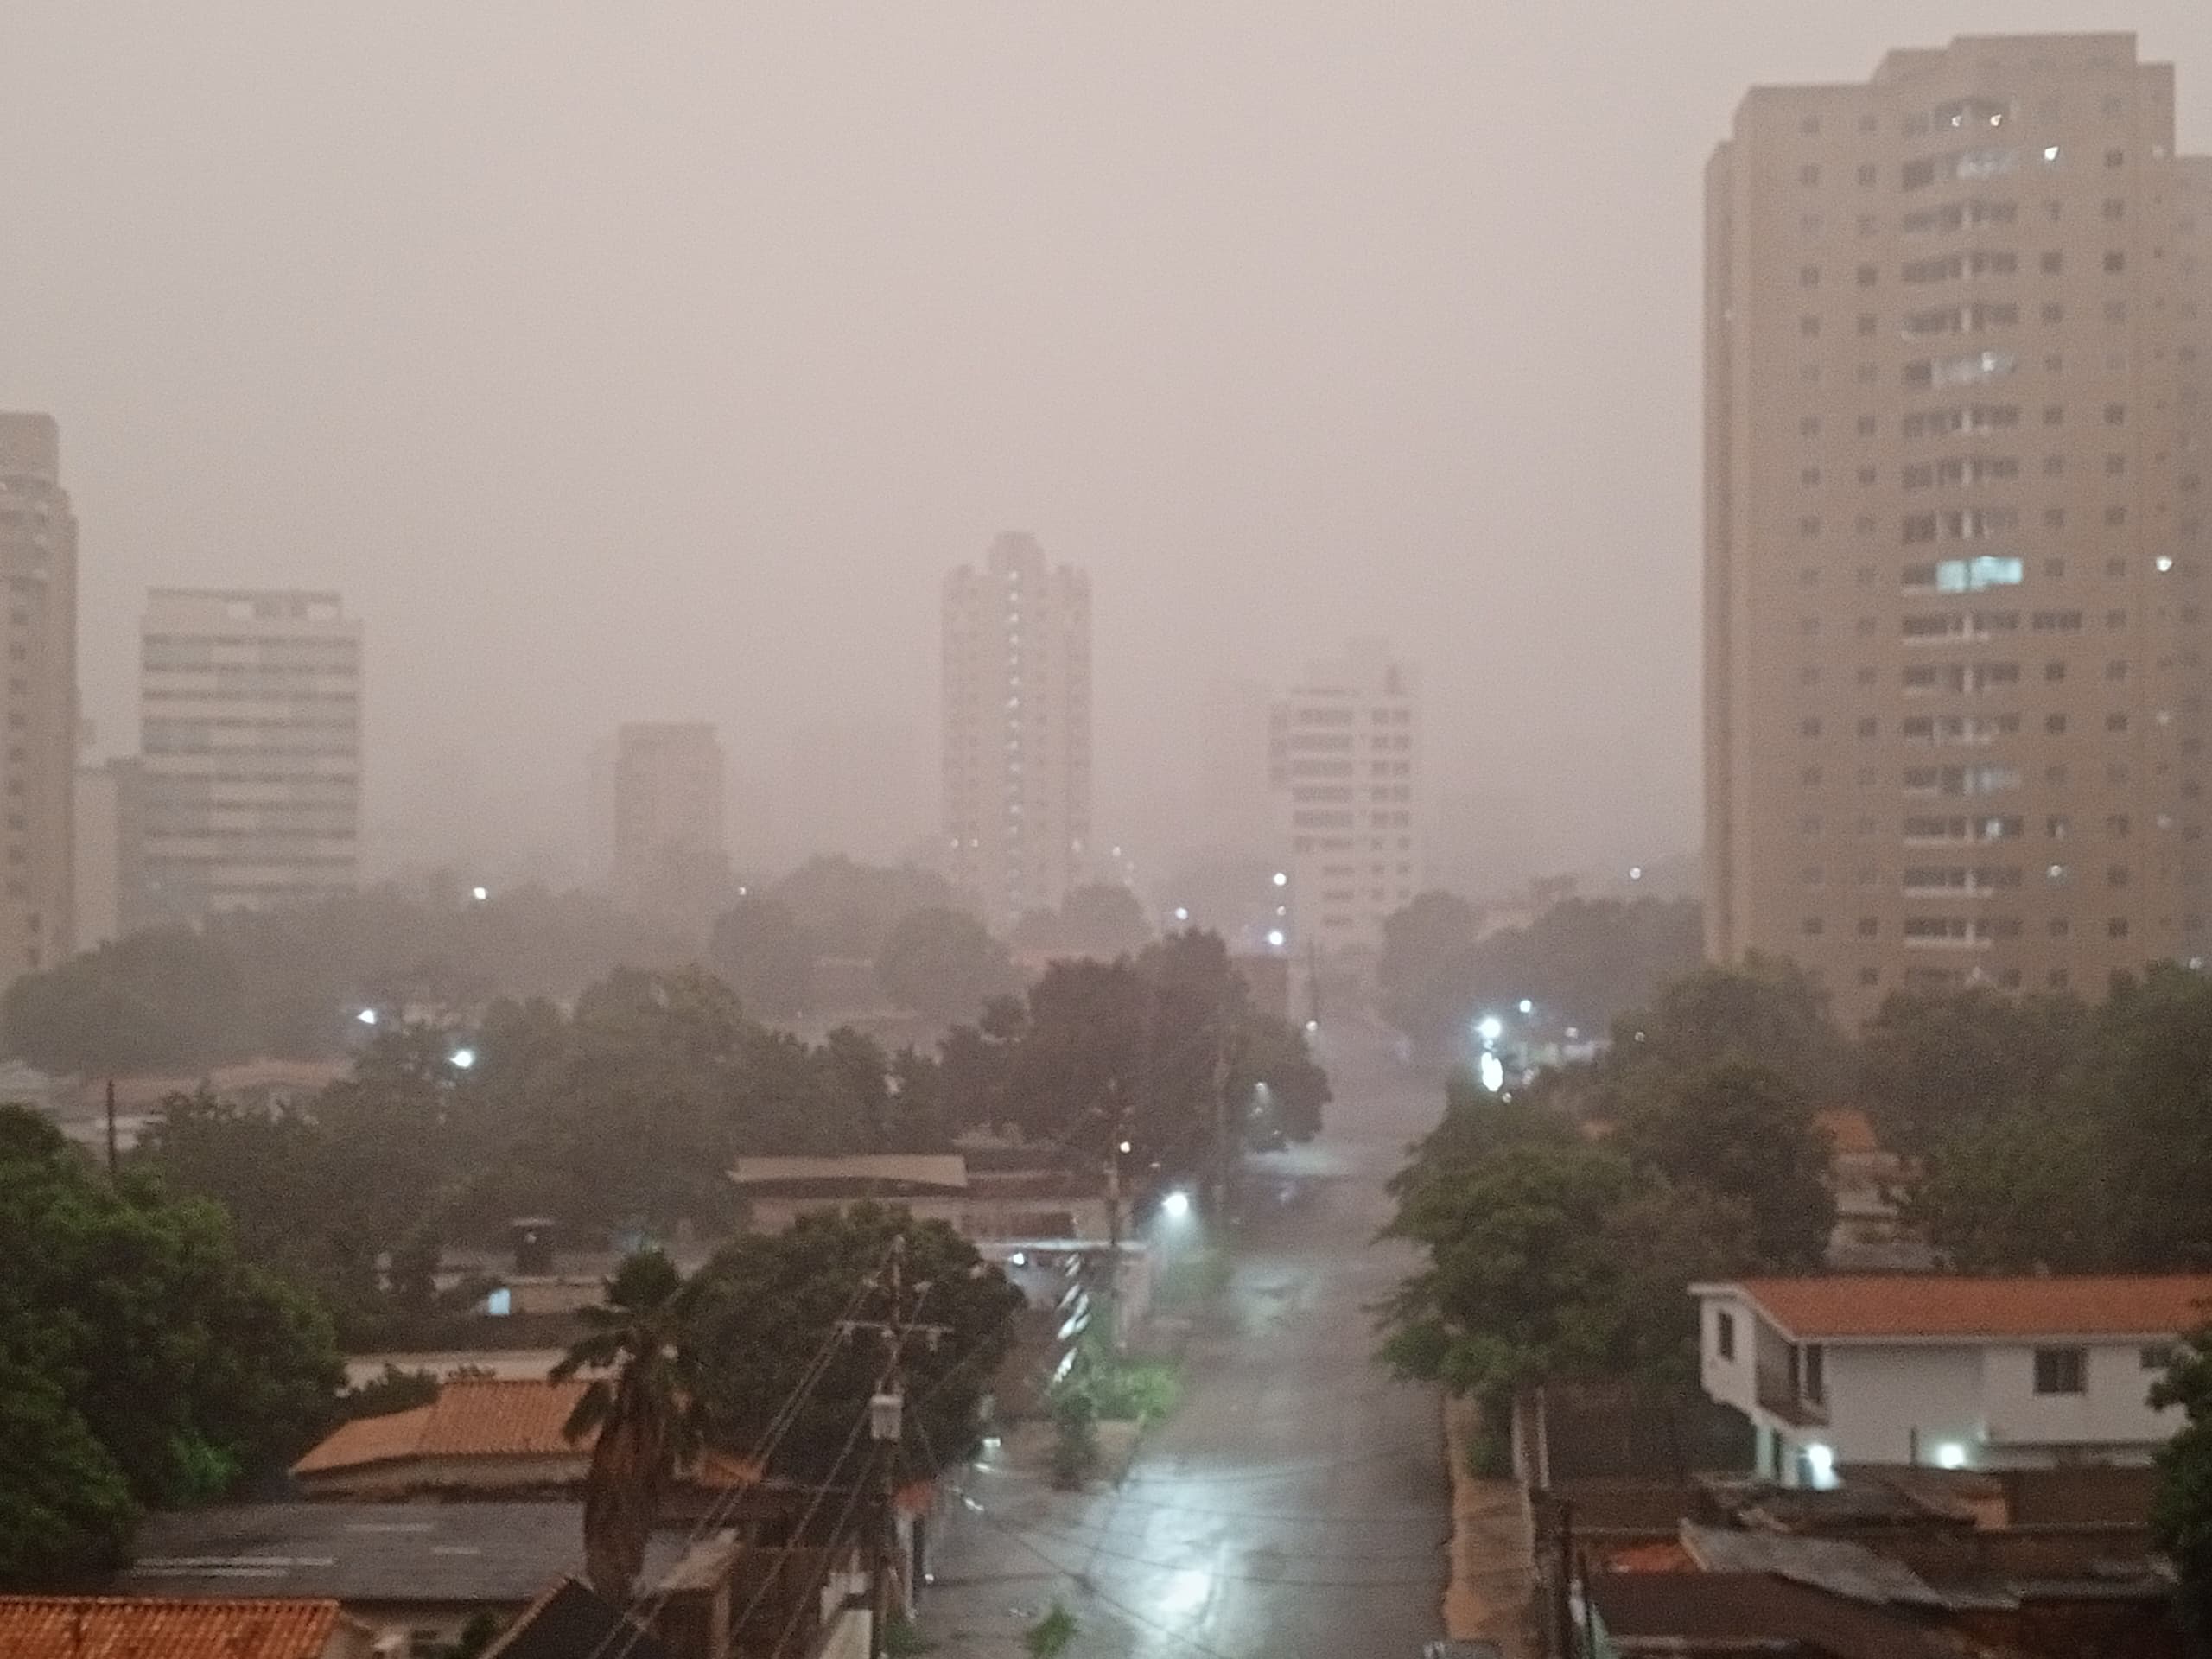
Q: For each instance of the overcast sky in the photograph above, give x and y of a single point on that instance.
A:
(642, 360)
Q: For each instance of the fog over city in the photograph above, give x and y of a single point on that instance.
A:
(655, 363)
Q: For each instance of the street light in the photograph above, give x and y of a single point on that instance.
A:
(1491, 1070)
(366, 1016)
(1282, 878)
(1527, 1006)
(1176, 1206)
(1489, 1028)
(463, 1058)
(479, 894)
(1275, 937)
(1182, 912)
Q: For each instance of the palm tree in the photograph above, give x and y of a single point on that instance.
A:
(647, 1407)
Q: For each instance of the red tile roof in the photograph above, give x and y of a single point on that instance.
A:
(1848, 1129)
(472, 1417)
(120, 1627)
(1842, 1306)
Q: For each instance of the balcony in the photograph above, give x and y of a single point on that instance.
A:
(1779, 1395)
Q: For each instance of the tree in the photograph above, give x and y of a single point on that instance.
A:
(942, 965)
(1422, 967)
(2181, 1507)
(759, 947)
(648, 1410)
(1930, 1062)
(1274, 1073)
(1745, 1133)
(1764, 1011)
(167, 999)
(2147, 1083)
(767, 1305)
(2015, 1194)
(145, 1363)
(850, 909)
(1102, 919)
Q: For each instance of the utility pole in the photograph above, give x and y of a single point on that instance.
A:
(886, 1426)
(1569, 1647)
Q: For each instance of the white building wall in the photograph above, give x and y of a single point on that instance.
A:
(1880, 1400)
(2113, 1412)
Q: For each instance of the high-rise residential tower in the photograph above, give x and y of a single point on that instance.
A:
(1017, 728)
(671, 856)
(38, 761)
(1346, 766)
(250, 788)
(1956, 441)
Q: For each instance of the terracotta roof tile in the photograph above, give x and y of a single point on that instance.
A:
(1848, 1129)
(367, 1441)
(494, 1417)
(472, 1417)
(120, 1627)
(1845, 1305)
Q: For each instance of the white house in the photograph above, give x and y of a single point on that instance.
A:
(1955, 1372)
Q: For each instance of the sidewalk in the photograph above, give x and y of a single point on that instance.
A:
(1492, 1592)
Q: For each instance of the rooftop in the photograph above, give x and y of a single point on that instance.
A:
(472, 1417)
(473, 1553)
(1845, 1307)
(116, 1627)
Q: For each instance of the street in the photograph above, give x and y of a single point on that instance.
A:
(1296, 1502)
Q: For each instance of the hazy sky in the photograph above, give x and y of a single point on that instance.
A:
(653, 360)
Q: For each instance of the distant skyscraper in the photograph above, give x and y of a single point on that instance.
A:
(107, 851)
(250, 731)
(1956, 444)
(1017, 728)
(1346, 766)
(671, 856)
(38, 763)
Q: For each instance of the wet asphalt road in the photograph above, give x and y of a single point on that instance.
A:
(1296, 1503)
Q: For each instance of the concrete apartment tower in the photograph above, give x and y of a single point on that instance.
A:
(1346, 762)
(1017, 729)
(250, 780)
(671, 854)
(38, 761)
(1955, 454)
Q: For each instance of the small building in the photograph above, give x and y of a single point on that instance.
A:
(1998, 1373)
(482, 1435)
(224, 1627)
(1032, 1202)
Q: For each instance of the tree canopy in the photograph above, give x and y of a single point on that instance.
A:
(944, 965)
(142, 1361)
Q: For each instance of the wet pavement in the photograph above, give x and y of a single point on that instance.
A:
(1296, 1502)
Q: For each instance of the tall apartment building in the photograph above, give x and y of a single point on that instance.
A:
(1344, 760)
(38, 761)
(250, 785)
(1955, 428)
(671, 852)
(1017, 728)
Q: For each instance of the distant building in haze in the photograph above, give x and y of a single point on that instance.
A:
(670, 853)
(108, 848)
(38, 763)
(1956, 401)
(1346, 762)
(250, 737)
(1017, 729)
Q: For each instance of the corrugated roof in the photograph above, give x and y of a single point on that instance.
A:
(120, 1627)
(946, 1171)
(1835, 1565)
(1843, 1306)
(1713, 1608)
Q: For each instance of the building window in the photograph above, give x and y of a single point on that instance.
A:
(1815, 1372)
(2156, 1357)
(1724, 1334)
(2061, 1370)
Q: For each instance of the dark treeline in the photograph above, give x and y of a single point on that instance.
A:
(621, 1116)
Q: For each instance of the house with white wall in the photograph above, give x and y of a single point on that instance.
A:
(1960, 1373)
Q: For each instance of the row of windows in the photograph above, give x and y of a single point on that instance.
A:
(1962, 929)
(1935, 828)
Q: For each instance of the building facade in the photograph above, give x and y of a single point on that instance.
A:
(1017, 729)
(670, 851)
(2023, 1373)
(1345, 764)
(38, 762)
(1956, 443)
(249, 778)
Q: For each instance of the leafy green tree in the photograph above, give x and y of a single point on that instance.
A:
(1522, 1282)
(1274, 1072)
(1102, 919)
(767, 1304)
(1423, 971)
(164, 1000)
(2181, 1507)
(2021, 1192)
(760, 948)
(850, 909)
(942, 965)
(1766, 1011)
(1745, 1133)
(1932, 1062)
(2147, 1071)
(142, 1350)
(647, 1402)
